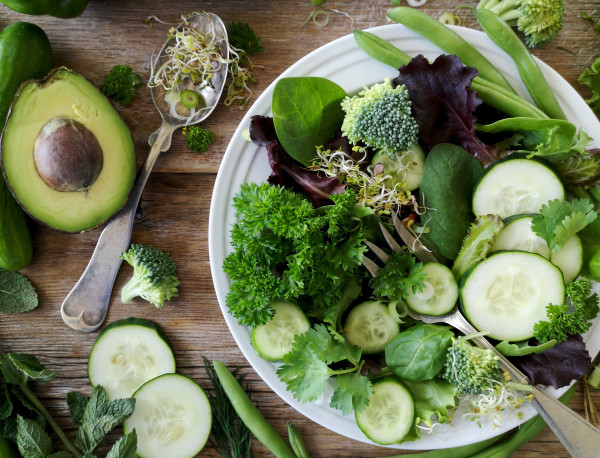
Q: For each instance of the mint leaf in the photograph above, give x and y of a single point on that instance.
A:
(99, 417)
(17, 294)
(61, 454)
(559, 220)
(125, 447)
(19, 368)
(77, 403)
(352, 393)
(32, 440)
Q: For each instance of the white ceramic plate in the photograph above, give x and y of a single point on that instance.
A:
(343, 62)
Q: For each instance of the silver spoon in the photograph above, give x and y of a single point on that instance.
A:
(84, 309)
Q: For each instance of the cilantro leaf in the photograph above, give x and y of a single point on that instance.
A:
(99, 417)
(32, 440)
(352, 393)
(125, 447)
(401, 275)
(562, 322)
(19, 368)
(17, 294)
(559, 220)
(303, 372)
(330, 350)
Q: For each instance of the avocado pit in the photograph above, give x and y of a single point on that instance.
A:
(67, 155)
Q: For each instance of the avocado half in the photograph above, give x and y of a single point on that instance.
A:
(67, 155)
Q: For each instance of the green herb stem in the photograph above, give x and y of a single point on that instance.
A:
(57, 429)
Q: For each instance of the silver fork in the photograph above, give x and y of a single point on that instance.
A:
(579, 437)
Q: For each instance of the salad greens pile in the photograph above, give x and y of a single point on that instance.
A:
(303, 236)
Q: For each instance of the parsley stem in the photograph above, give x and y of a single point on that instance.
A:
(57, 429)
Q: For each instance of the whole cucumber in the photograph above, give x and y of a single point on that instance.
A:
(25, 54)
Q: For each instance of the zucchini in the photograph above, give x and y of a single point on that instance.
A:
(507, 293)
(516, 185)
(172, 418)
(24, 54)
(128, 353)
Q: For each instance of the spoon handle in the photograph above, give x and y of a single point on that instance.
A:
(85, 307)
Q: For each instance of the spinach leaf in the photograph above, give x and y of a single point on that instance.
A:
(449, 175)
(419, 353)
(306, 113)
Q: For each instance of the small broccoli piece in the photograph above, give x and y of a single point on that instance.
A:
(120, 83)
(154, 277)
(380, 117)
(472, 369)
(539, 20)
(198, 139)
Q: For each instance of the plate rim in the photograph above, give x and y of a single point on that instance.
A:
(314, 411)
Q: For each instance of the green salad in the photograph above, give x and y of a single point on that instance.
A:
(502, 195)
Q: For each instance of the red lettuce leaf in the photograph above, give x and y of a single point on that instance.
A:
(558, 365)
(443, 103)
(286, 171)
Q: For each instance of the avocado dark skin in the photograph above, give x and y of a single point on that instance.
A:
(58, 8)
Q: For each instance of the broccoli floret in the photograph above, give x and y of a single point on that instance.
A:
(539, 20)
(197, 138)
(154, 277)
(120, 83)
(380, 117)
(472, 369)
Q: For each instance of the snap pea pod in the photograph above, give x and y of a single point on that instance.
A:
(449, 41)
(490, 93)
(507, 40)
(297, 441)
(250, 415)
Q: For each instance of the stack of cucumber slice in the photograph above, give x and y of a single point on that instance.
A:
(134, 358)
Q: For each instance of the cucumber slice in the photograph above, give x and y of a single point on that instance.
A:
(507, 293)
(516, 185)
(569, 259)
(128, 353)
(405, 169)
(370, 326)
(172, 417)
(274, 339)
(390, 413)
(440, 293)
(519, 235)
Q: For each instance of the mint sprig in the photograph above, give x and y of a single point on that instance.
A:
(17, 294)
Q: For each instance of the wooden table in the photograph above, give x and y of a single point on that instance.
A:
(176, 200)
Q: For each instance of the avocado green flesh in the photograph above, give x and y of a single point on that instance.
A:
(67, 94)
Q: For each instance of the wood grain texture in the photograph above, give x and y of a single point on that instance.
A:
(175, 204)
